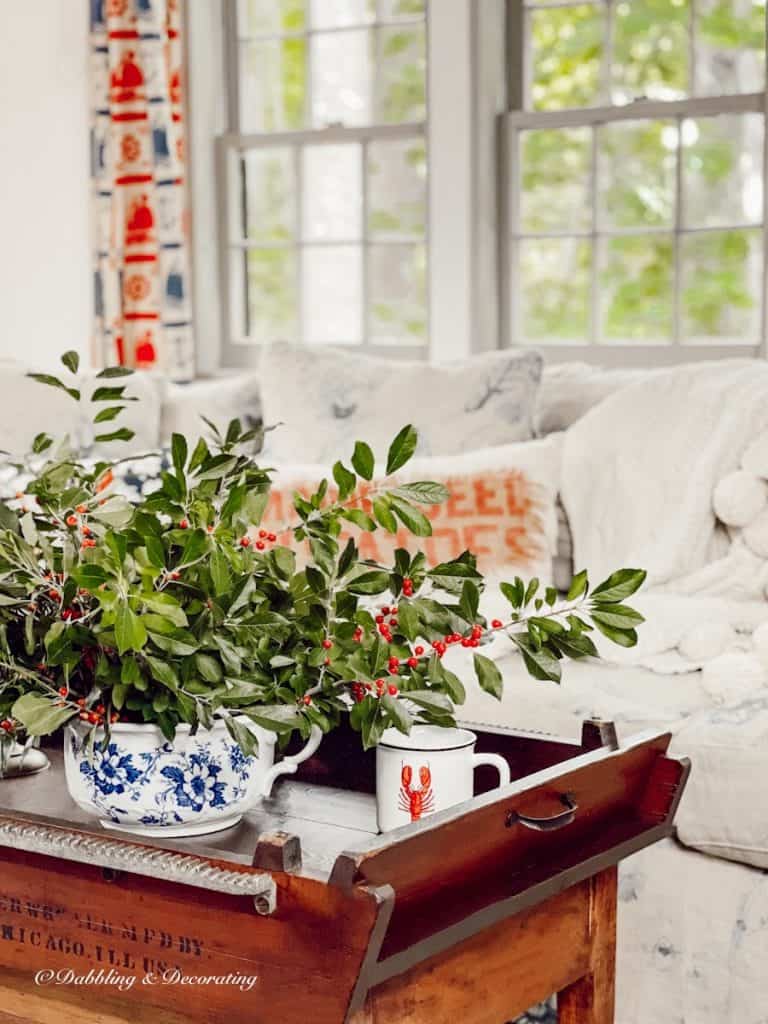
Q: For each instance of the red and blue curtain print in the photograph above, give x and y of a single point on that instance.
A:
(141, 218)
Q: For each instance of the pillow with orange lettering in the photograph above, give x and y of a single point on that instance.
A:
(501, 507)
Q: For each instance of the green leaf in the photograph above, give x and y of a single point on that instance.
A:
(540, 663)
(531, 589)
(469, 602)
(398, 713)
(514, 592)
(579, 585)
(209, 668)
(54, 382)
(431, 700)
(412, 518)
(424, 492)
(123, 434)
(622, 637)
(619, 586)
(130, 633)
(488, 676)
(41, 443)
(111, 394)
(242, 735)
(39, 715)
(374, 582)
(363, 461)
(345, 480)
(220, 572)
(383, 514)
(457, 569)
(116, 512)
(110, 413)
(114, 371)
(130, 673)
(621, 616)
(167, 606)
(71, 360)
(401, 449)
(89, 576)
(179, 453)
(408, 619)
(359, 518)
(163, 672)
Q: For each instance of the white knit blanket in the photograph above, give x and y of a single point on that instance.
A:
(639, 471)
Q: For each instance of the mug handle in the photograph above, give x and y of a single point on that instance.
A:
(495, 761)
(289, 765)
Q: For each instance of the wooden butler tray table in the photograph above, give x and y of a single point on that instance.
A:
(470, 915)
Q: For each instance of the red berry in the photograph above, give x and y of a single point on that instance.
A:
(71, 520)
(63, 691)
(413, 662)
(497, 623)
(392, 690)
(392, 611)
(272, 537)
(184, 524)
(114, 717)
(418, 650)
(93, 718)
(175, 575)
(394, 670)
(477, 631)
(465, 641)
(100, 709)
(385, 609)
(245, 542)
(210, 529)
(380, 686)
(326, 661)
(327, 644)
(83, 716)
(262, 534)
(307, 699)
(87, 531)
(82, 509)
(379, 619)
(260, 545)
(53, 594)
(81, 702)
(393, 623)
(6, 725)
(474, 642)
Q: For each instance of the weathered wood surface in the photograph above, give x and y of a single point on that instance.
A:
(455, 895)
(591, 999)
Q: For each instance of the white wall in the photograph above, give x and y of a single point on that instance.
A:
(45, 280)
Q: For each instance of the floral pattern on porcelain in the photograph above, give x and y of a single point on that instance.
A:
(138, 778)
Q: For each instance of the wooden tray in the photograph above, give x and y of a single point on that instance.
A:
(304, 894)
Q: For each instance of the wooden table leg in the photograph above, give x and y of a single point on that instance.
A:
(590, 1000)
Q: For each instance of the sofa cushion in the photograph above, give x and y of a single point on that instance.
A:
(501, 507)
(325, 399)
(724, 810)
(569, 390)
(219, 400)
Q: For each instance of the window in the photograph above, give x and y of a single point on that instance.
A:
(635, 174)
(324, 174)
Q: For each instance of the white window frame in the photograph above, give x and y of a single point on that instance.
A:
(237, 350)
(518, 119)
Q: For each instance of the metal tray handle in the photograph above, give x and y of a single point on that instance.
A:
(546, 824)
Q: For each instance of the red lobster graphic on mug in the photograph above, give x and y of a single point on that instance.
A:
(419, 800)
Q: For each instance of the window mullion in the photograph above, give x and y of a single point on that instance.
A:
(365, 286)
(677, 237)
(298, 166)
(596, 327)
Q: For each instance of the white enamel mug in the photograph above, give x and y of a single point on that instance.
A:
(427, 771)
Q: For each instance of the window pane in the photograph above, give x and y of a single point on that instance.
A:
(269, 194)
(332, 192)
(272, 85)
(555, 180)
(567, 49)
(555, 289)
(341, 78)
(638, 161)
(332, 283)
(269, 17)
(636, 290)
(720, 286)
(651, 49)
(397, 281)
(397, 188)
(722, 162)
(271, 292)
(336, 13)
(401, 87)
(730, 46)
(390, 9)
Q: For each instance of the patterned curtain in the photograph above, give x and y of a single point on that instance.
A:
(141, 274)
